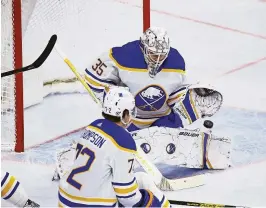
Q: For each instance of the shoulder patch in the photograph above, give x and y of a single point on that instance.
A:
(116, 134)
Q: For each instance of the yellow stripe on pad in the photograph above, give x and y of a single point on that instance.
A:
(186, 113)
(193, 105)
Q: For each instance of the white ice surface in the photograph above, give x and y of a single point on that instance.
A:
(243, 186)
(209, 51)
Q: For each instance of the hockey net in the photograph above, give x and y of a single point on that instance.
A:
(85, 28)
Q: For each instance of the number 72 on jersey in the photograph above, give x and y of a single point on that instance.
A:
(85, 151)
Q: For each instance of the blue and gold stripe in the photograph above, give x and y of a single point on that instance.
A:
(164, 202)
(134, 69)
(9, 185)
(95, 83)
(115, 141)
(67, 200)
(147, 122)
(99, 80)
(189, 108)
(176, 96)
(4, 179)
(143, 123)
(125, 190)
(206, 162)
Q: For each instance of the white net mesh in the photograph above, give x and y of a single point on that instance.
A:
(8, 133)
(85, 28)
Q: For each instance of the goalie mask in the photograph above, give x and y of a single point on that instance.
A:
(117, 100)
(155, 45)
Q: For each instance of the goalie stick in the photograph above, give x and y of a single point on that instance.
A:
(160, 181)
(38, 62)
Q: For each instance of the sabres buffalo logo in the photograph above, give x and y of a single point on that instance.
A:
(145, 147)
(170, 148)
(151, 98)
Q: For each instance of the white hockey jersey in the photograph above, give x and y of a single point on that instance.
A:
(102, 174)
(126, 66)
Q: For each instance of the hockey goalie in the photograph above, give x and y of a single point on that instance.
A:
(166, 104)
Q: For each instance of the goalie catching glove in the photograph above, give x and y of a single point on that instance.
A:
(197, 101)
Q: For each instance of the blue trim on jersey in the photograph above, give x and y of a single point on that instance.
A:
(180, 89)
(189, 108)
(172, 105)
(100, 80)
(74, 204)
(174, 61)
(124, 184)
(4, 179)
(130, 55)
(162, 199)
(95, 89)
(12, 192)
(118, 133)
(125, 197)
(148, 118)
(205, 150)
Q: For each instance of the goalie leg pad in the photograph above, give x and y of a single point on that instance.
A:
(186, 148)
(218, 152)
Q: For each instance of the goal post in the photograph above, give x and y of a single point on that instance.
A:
(19, 106)
(146, 14)
(85, 28)
(12, 108)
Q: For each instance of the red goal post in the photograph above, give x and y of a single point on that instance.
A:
(12, 87)
(26, 27)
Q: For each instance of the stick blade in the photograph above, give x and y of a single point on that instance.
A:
(48, 49)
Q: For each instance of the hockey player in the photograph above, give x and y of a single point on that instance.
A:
(155, 74)
(102, 173)
(13, 192)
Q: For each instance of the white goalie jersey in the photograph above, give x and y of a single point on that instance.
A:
(125, 66)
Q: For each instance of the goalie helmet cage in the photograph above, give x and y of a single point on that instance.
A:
(16, 15)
